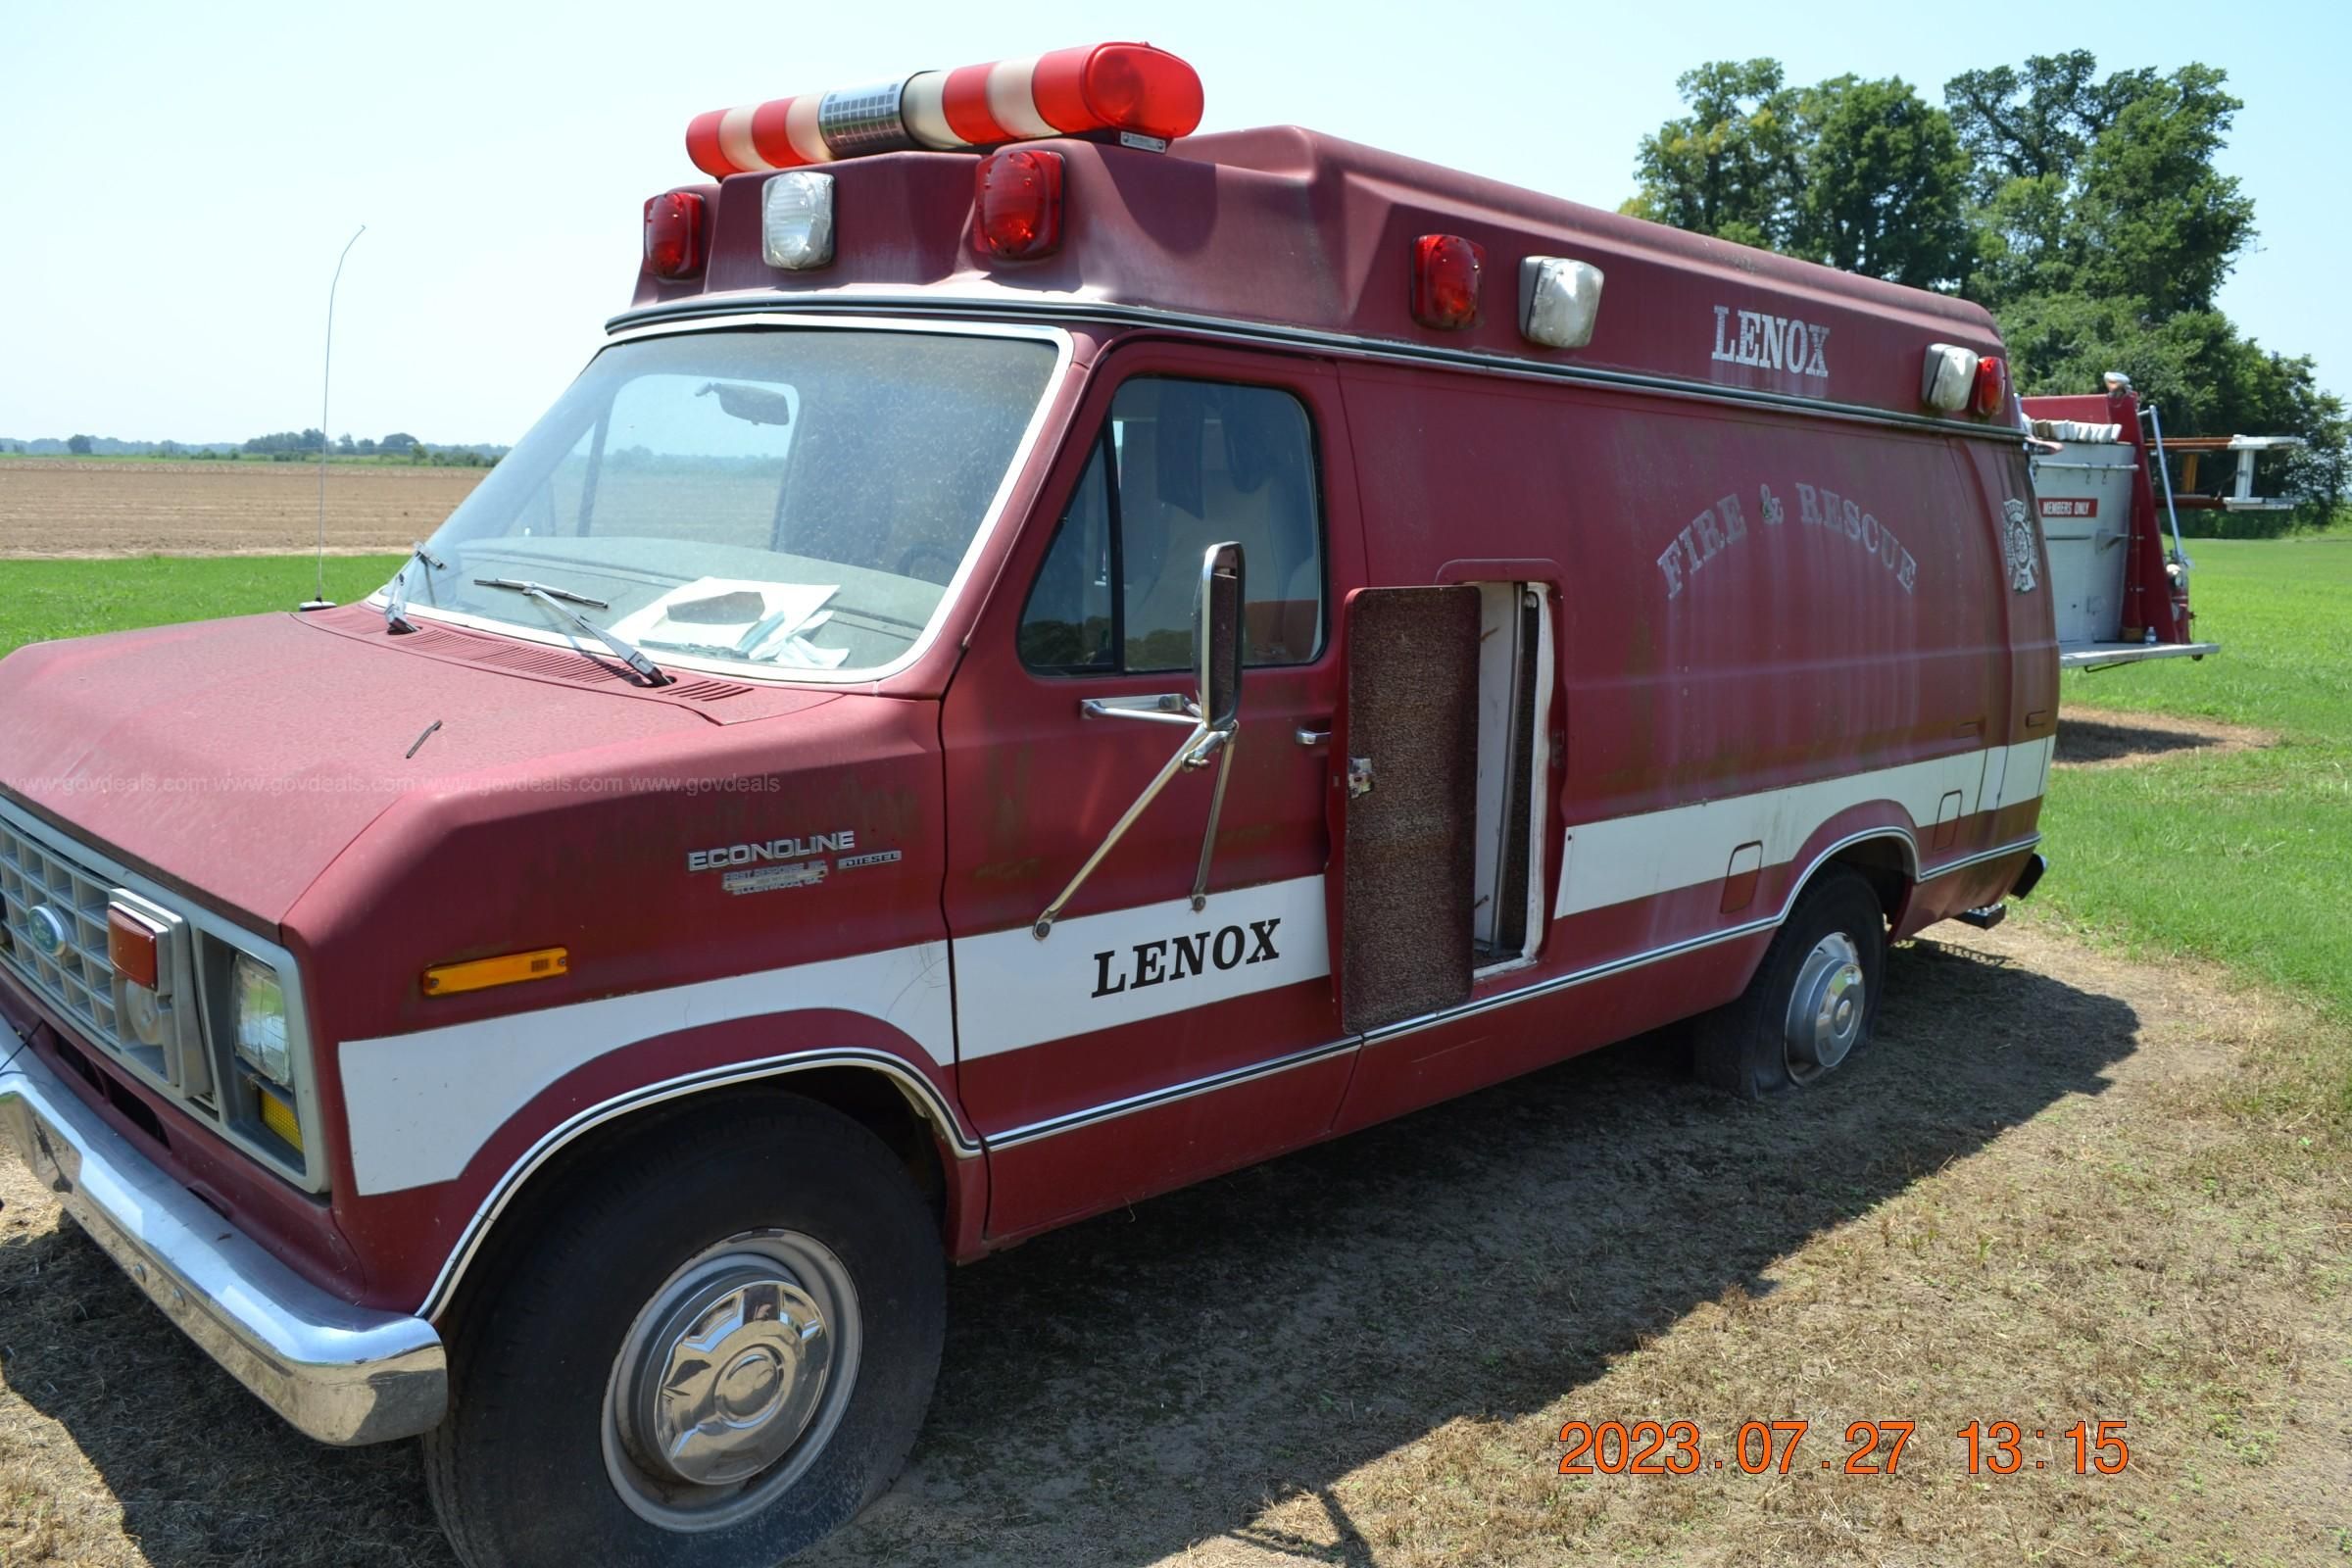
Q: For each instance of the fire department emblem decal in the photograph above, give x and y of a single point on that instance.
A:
(2020, 546)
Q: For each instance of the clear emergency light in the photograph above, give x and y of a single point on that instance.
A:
(1130, 88)
(1948, 379)
(1956, 381)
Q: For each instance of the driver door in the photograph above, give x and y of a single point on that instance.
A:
(1146, 1042)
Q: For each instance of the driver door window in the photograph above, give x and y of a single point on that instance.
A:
(1179, 467)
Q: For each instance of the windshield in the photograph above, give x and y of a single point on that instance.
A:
(782, 499)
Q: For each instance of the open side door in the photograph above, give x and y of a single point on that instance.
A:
(1405, 804)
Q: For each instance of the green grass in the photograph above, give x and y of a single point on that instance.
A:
(41, 600)
(2245, 856)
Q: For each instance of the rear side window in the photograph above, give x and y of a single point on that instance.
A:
(1179, 467)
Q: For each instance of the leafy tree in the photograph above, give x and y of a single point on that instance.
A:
(2103, 187)
(1862, 175)
(398, 442)
(2157, 221)
(1884, 183)
(1728, 168)
(79, 445)
(2039, 121)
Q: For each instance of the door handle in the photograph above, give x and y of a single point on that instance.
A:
(1311, 738)
(1170, 707)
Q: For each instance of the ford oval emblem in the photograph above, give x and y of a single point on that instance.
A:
(45, 928)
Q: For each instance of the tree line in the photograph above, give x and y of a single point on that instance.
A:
(278, 446)
(2082, 210)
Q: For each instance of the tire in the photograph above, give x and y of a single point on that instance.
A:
(1798, 1020)
(709, 1246)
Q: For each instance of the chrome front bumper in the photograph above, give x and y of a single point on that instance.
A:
(340, 1373)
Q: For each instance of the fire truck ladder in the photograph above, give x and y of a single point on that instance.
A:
(2193, 448)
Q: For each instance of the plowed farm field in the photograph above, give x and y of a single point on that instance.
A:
(56, 506)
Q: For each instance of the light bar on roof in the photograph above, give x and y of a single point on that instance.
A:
(1127, 88)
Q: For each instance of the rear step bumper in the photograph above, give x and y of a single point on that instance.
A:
(2098, 655)
(1992, 915)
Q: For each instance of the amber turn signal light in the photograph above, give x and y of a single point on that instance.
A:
(131, 947)
(479, 974)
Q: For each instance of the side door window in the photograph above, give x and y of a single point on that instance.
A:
(1179, 467)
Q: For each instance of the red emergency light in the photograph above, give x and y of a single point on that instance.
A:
(1016, 203)
(1131, 88)
(673, 234)
(1992, 387)
(1445, 274)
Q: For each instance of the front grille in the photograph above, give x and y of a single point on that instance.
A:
(77, 980)
(50, 891)
(54, 886)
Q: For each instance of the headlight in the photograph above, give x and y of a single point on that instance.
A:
(260, 1020)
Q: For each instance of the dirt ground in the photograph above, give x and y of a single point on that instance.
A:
(2092, 737)
(57, 506)
(2061, 1187)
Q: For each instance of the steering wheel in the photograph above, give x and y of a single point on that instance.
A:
(924, 550)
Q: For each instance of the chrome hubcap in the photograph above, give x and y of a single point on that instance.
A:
(1825, 1008)
(731, 1380)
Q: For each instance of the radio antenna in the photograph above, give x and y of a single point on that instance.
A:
(325, 384)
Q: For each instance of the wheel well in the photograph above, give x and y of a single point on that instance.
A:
(1885, 865)
(864, 1096)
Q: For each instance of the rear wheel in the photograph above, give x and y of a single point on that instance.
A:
(1811, 1007)
(716, 1353)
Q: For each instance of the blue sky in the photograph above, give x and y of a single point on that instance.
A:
(182, 177)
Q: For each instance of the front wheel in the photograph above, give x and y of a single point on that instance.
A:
(714, 1354)
(1811, 1004)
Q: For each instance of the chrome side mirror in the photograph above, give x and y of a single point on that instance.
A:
(1217, 638)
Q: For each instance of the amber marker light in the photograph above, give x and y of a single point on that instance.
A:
(279, 1118)
(479, 974)
(131, 947)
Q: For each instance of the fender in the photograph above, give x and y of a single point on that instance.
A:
(444, 1125)
(965, 1174)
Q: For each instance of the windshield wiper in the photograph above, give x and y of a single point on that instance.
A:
(396, 597)
(560, 600)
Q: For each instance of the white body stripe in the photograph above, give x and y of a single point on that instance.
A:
(421, 1104)
(2025, 773)
(1009, 103)
(1657, 852)
(735, 138)
(1014, 991)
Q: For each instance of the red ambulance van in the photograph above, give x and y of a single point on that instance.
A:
(1044, 659)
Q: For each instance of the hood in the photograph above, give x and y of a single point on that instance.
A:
(237, 759)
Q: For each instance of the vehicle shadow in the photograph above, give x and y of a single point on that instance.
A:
(1123, 1389)
(2107, 742)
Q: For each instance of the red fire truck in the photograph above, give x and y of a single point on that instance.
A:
(1045, 658)
(2120, 596)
